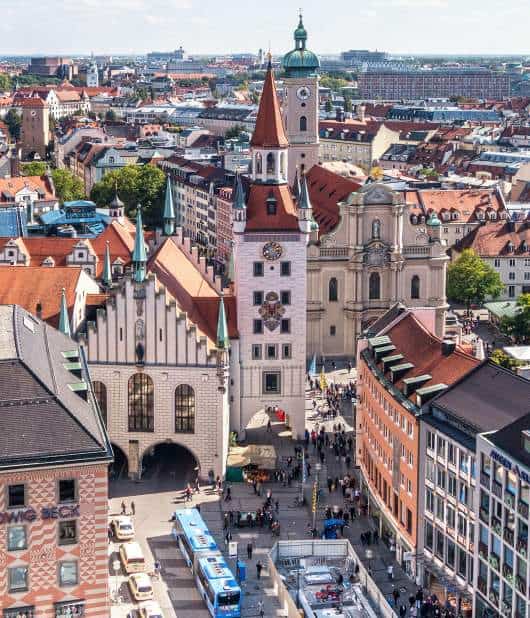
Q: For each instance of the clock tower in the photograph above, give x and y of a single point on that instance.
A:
(301, 110)
(270, 240)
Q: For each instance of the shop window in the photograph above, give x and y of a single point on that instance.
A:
(16, 538)
(184, 409)
(16, 496)
(70, 609)
(20, 612)
(68, 532)
(68, 573)
(18, 578)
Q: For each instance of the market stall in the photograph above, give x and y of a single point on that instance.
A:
(251, 462)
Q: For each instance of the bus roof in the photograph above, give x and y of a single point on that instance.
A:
(224, 585)
(215, 567)
(195, 530)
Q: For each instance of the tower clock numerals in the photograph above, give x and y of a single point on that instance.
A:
(272, 251)
(303, 93)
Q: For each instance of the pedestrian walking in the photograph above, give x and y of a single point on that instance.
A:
(228, 496)
(390, 572)
(269, 426)
(395, 594)
(133, 508)
(123, 508)
(249, 550)
(261, 611)
(259, 568)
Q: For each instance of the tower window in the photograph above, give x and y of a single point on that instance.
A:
(258, 298)
(258, 327)
(333, 294)
(303, 123)
(259, 165)
(258, 269)
(332, 331)
(285, 297)
(285, 326)
(270, 163)
(285, 269)
(415, 287)
(271, 205)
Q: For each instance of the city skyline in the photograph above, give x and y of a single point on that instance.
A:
(396, 26)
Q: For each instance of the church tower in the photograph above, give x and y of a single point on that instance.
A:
(301, 104)
(270, 239)
(92, 75)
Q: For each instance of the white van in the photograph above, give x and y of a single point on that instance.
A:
(132, 558)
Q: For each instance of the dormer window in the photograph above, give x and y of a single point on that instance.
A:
(524, 246)
(510, 247)
(414, 220)
(445, 216)
(492, 215)
(454, 216)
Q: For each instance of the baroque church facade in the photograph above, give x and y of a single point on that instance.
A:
(370, 255)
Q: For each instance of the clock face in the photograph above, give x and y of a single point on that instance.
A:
(272, 251)
(303, 93)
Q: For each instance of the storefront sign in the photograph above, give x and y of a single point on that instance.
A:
(30, 514)
(506, 463)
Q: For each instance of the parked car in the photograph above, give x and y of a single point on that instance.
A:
(123, 528)
(150, 609)
(141, 587)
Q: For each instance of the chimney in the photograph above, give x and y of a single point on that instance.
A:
(448, 347)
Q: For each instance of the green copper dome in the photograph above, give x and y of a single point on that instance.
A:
(300, 62)
(433, 220)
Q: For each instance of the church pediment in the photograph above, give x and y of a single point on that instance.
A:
(377, 194)
(376, 253)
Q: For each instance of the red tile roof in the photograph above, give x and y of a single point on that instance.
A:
(424, 350)
(30, 102)
(269, 131)
(11, 186)
(285, 219)
(493, 238)
(326, 189)
(28, 286)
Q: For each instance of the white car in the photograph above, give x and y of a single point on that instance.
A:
(141, 587)
(150, 609)
(123, 528)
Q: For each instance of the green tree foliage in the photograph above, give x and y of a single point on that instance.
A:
(13, 122)
(334, 83)
(501, 358)
(518, 326)
(328, 106)
(470, 280)
(234, 132)
(137, 184)
(111, 115)
(348, 107)
(35, 168)
(68, 187)
(5, 82)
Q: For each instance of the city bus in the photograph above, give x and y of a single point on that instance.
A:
(192, 535)
(218, 587)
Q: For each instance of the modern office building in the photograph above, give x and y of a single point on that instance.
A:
(502, 575)
(436, 83)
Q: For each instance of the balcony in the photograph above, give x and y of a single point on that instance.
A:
(334, 252)
(509, 535)
(522, 508)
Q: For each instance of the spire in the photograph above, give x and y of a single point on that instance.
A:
(139, 256)
(116, 206)
(300, 34)
(304, 203)
(107, 270)
(64, 320)
(223, 340)
(169, 211)
(238, 202)
(269, 131)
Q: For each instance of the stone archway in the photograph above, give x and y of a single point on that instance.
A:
(170, 464)
(119, 469)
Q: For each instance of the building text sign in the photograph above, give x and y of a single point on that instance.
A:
(30, 514)
(504, 461)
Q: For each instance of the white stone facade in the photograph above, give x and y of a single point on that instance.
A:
(172, 353)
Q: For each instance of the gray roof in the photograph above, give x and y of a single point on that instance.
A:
(42, 420)
(487, 398)
(509, 439)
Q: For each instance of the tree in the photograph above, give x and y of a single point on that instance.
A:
(470, 280)
(5, 82)
(517, 327)
(67, 186)
(348, 107)
(501, 358)
(13, 122)
(334, 83)
(328, 106)
(235, 131)
(136, 185)
(35, 168)
(111, 115)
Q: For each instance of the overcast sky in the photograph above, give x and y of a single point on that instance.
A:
(216, 26)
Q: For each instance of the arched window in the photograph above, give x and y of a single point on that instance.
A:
(100, 393)
(376, 228)
(333, 291)
(415, 287)
(184, 409)
(270, 163)
(259, 164)
(374, 286)
(303, 123)
(141, 403)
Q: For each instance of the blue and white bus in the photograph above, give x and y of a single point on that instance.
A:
(194, 539)
(218, 587)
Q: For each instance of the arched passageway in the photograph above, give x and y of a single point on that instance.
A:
(170, 465)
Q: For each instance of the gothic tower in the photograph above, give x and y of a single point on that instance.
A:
(301, 104)
(270, 239)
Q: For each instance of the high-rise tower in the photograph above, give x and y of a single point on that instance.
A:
(301, 104)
